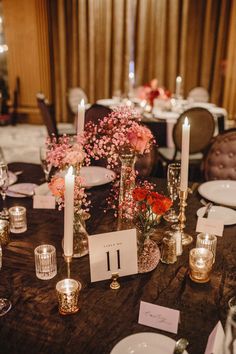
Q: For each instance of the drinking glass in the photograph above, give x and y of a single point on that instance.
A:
(5, 304)
(173, 183)
(4, 181)
(45, 164)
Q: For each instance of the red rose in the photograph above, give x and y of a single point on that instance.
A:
(139, 194)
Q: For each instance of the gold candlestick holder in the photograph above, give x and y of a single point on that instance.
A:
(68, 260)
(186, 238)
(114, 284)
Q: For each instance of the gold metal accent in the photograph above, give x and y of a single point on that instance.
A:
(186, 239)
(68, 294)
(114, 284)
(68, 260)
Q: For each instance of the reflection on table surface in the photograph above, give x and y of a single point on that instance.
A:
(34, 325)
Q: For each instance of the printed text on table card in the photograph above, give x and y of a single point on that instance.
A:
(113, 252)
(158, 317)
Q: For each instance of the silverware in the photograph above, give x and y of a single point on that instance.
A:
(180, 346)
(207, 210)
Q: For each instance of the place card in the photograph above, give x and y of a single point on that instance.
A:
(215, 340)
(210, 226)
(113, 252)
(44, 202)
(159, 317)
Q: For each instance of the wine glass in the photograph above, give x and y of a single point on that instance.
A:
(5, 304)
(4, 181)
(173, 183)
(45, 164)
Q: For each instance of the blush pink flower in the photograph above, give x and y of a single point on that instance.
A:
(139, 138)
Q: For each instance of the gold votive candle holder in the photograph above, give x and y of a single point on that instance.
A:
(200, 262)
(45, 262)
(4, 232)
(68, 295)
(207, 241)
(18, 223)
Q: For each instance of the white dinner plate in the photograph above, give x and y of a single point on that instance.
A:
(12, 178)
(206, 105)
(108, 102)
(145, 343)
(21, 190)
(165, 115)
(227, 215)
(96, 176)
(220, 192)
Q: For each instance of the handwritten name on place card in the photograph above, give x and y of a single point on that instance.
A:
(158, 317)
(44, 202)
(210, 226)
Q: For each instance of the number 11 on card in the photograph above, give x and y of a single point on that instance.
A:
(117, 259)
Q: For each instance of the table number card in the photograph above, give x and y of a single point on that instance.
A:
(210, 226)
(215, 340)
(158, 317)
(113, 252)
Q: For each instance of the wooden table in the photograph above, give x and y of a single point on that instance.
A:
(34, 325)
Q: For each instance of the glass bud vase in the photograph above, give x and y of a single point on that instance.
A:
(80, 237)
(127, 184)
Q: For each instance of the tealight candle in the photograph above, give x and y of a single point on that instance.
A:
(18, 222)
(68, 294)
(207, 241)
(200, 262)
(4, 232)
(45, 262)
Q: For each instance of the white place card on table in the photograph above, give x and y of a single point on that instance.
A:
(216, 340)
(210, 226)
(158, 317)
(44, 202)
(113, 252)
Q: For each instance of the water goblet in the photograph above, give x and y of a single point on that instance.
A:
(44, 163)
(173, 183)
(5, 304)
(4, 181)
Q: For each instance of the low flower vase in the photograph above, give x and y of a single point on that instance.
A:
(148, 253)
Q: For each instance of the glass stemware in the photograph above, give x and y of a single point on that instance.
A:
(5, 304)
(44, 163)
(4, 181)
(173, 183)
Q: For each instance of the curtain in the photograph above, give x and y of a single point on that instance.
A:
(91, 48)
(186, 38)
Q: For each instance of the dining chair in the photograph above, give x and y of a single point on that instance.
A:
(198, 94)
(75, 95)
(219, 162)
(47, 115)
(96, 112)
(202, 127)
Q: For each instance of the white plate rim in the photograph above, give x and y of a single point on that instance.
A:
(111, 176)
(203, 190)
(107, 102)
(15, 195)
(12, 177)
(201, 210)
(141, 336)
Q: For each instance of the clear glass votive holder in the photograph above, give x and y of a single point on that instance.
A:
(200, 262)
(68, 295)
(4, 232)
(45, 262)
(207, 241)
(18, 223)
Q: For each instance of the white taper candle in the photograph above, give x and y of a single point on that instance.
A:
(80, 118)
(69, 212)
(185, 155)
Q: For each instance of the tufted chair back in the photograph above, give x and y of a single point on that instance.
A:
(220, 160)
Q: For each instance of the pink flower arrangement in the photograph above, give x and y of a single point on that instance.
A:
(118, 133)
(151, 91)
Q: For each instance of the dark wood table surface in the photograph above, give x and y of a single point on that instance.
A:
(34, 325)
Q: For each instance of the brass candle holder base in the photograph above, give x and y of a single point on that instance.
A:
(114, 284)
(186, 238)
(68, 260)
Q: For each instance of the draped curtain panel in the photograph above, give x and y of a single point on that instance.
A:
(91, 48)
(186, 38)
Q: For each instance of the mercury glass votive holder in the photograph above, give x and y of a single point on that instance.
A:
(45, 262)
(207, 241)
(200, 262)
(18, 223)
(4, 232)
(68, 295)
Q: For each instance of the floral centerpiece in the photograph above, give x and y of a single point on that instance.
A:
(61, 154)
(148, 206)
(151, 90)
(119, 138)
